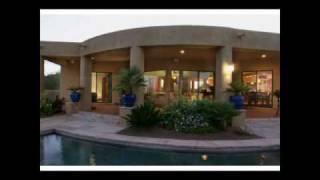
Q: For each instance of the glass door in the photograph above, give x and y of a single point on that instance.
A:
(206, 85)
(192, 84)
(261, 87)
(101, 87)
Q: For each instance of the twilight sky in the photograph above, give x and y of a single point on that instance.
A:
(80, 25)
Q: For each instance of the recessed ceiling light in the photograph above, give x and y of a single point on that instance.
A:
(181, 51)
(263, 55)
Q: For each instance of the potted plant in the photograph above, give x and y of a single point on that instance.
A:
(238, 89)
(75, 94)
(276, 93)
(129, 79)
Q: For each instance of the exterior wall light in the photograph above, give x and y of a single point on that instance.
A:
(181, 51)
(229, 68)
(263, 55)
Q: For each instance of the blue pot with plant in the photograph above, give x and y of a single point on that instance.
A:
(75, 94)
(129, 79)
(129, 100)
(238, 89)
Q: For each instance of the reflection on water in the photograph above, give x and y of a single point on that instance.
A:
(59, 150)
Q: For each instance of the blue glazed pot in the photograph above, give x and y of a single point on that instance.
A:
(237, 101)
(75, 96)
(129, 100)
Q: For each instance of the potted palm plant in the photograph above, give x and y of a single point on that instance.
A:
(238, 89)
(129, 79)
(75, 94)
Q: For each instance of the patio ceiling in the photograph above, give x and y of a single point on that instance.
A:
(254, 54)
(118, 55)
(173, 52)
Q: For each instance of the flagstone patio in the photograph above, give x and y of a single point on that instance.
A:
(103, 128)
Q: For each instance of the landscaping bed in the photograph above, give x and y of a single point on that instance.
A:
(157, 132)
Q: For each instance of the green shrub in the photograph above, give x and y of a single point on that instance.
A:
(192, 123)
(145, 115)
(198, 116)
(46, 107)
(173, 112)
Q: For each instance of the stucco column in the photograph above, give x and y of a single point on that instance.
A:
(223, 73)
(62, 88)
(85, 82)
(41, 74)
(137, 59)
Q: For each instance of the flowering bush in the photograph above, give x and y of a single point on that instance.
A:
(201, 116)
(173, 112)
(193, 123)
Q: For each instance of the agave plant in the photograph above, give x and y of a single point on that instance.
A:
(130, 79)
(238, 88)
(145, 115)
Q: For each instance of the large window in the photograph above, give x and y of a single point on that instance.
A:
(206, 85)
(101, 87)
(193, 84)
(155, 87)
(155, 82)
(190, 84)
(260, 83)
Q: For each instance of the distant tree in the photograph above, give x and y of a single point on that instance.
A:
(52, 81)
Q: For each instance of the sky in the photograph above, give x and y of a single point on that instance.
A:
(80, 25)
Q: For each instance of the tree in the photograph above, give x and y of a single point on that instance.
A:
(52, 81)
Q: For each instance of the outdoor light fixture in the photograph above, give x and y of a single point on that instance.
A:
(92, 58)
(263, 55)
(72, 61)
(181, 51)
(229, 68)
(161, 83)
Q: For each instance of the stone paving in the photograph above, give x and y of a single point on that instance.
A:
(103, 128)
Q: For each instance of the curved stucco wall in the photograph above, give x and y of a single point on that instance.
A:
(167, 35)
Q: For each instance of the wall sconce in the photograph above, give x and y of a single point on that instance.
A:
(229, 68)
(161, 83)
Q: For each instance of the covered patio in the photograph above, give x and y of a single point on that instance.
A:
(195, 62)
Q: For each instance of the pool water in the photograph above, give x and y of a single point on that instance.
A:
(61, 150)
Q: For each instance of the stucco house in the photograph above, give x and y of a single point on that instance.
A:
(194, 61)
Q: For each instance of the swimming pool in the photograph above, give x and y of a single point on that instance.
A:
(62, 150)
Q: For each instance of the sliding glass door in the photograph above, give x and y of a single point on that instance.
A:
(261, 88)
(101, 87)
(193, 84)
